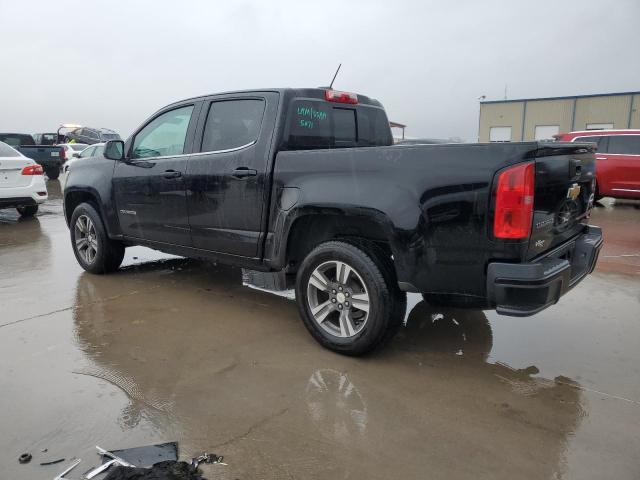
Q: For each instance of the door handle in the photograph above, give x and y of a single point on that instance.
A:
(168, 174)
(243, 172)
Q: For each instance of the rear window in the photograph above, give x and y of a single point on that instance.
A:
(17, 140)
(319, 124)
(624, 144)
(7, 151)
(78, 147)
(110, 136)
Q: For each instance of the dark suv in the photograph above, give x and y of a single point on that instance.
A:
(92, 135)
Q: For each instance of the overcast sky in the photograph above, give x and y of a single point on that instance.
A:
(112, 63)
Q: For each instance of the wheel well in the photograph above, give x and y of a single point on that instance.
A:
(73, 199)
(310, 231)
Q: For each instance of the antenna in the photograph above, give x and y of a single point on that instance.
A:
(334, 77)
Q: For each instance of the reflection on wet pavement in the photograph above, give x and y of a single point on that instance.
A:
(176, 349)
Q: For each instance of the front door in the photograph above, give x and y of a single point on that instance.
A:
(149, 186)
(228, 173)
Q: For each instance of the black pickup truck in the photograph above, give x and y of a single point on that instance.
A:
(304, 187)
(49, 156)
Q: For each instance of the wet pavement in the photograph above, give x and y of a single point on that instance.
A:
(174, 349)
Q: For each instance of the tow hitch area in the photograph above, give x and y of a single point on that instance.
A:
(525, 289)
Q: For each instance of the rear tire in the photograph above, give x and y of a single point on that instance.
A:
(27, 210)
(93, 248)
(348, 297)
(53, 173)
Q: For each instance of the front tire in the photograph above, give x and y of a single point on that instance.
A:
(93, 248)
(26, 211)
(348, 297)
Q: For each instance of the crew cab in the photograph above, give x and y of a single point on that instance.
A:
(617, 160)
(304, 187)
(49, 156)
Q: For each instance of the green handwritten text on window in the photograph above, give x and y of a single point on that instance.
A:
(309, 116)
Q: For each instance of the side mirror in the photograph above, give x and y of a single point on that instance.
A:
(114, 150)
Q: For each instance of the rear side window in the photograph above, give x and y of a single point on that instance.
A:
(317, 124)
(624, 144)
(7, 151)
(232, 124)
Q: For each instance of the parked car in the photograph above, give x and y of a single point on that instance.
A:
(48, 138)
(304, 187)
(71, 151)
(91, 135)
(617, 160)
(84, 152)
(21, 182)
(48, 156)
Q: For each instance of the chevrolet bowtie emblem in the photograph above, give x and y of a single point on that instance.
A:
(573, 191)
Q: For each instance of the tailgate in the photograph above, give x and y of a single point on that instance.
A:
(564, 193)
(44, 154)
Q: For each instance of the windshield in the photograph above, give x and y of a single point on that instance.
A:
(6, 151)
(78, 147)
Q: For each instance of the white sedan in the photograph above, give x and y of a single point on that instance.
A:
(21, 182)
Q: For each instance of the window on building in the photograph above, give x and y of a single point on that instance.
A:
(500, 134)
(599, 126)
(624, 144)
(546, 132)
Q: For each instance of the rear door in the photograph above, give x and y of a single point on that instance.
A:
(228, 174)
(622, 164)
(564, 193)
(149, 186)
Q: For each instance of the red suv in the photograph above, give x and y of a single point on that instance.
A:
(617, 160)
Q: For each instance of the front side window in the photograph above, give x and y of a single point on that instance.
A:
(599, 139)
(624, 144)
(164, 136)
(232, 124)
(87, 152)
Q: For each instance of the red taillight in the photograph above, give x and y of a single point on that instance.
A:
(63, 154)
(32, 170)
(514, 202)
(340, 97)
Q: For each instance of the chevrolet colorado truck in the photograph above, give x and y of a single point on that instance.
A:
(304, 187)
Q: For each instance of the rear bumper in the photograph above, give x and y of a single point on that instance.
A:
(26, 195)
(522, 289)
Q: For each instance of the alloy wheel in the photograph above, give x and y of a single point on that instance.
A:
(86, 238)
(338, 299)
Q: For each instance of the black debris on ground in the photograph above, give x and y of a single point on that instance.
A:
(169, 470)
